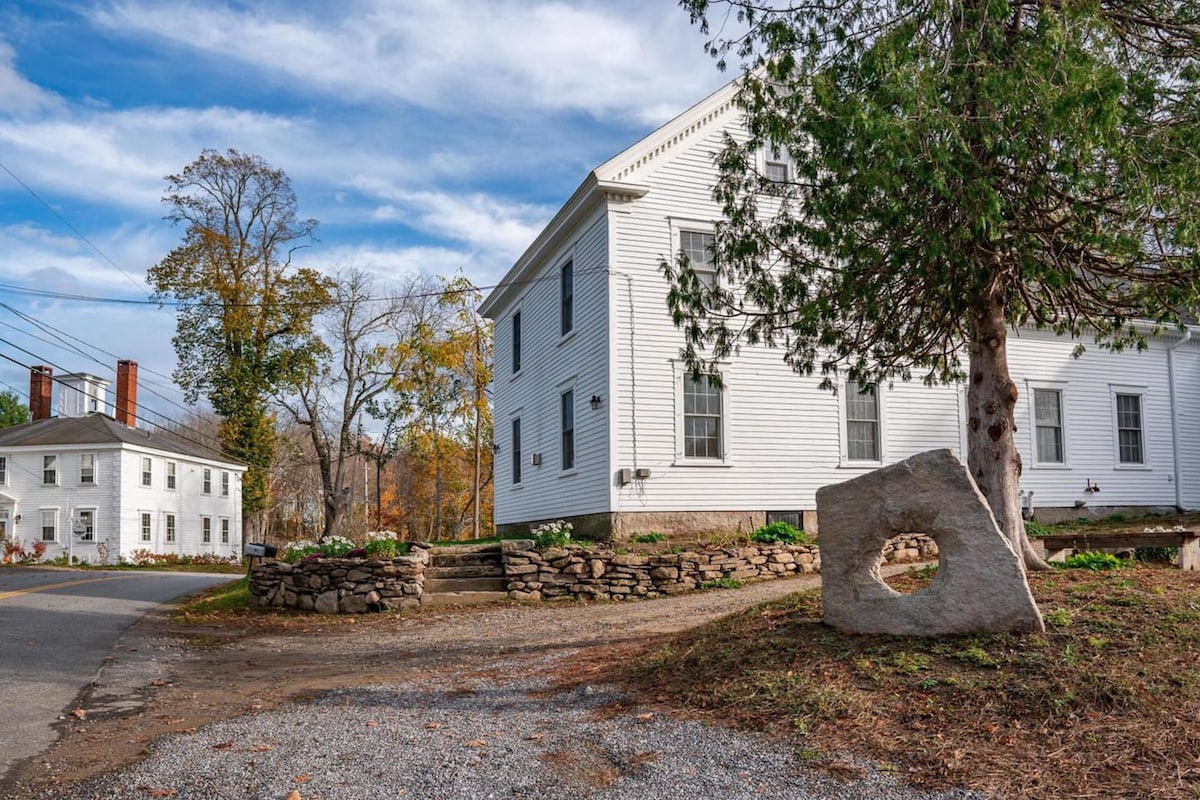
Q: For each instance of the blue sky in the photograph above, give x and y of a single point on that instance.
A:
(431, 136)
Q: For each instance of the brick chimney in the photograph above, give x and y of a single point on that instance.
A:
(41, 379)
(125, 408)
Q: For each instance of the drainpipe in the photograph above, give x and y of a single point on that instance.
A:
(1187, 335)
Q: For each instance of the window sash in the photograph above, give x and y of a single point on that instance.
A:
(170, 474)
(567, 423)
(776, 171)
(1047, 414)
(1130, 449)
(147, 531)
(224, 484)
(49, 470)
(49, 525)
(701, 418)
(566, 295)
(87, 517)
(700, 250)
(207, 484)
(169, 528)
(862, 423)
(224, 531)
(516, 450)
(206, 530)
(87, 468)
(3, 470)
(147, 472)
(516, 342)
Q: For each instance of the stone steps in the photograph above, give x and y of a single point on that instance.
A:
(442, 585)
(465, 571)
(465, 560)
(463, 598)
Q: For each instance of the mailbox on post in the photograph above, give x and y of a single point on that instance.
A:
(257, 550)
(253, 550)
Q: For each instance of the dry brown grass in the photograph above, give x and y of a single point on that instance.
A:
(1105, 704)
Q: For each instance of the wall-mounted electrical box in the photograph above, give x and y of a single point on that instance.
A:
(536, 459)
(641, 473)
(624, 476)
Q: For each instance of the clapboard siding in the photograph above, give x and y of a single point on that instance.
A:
(783, 434)
(550, 363)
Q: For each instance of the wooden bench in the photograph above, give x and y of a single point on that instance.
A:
(1055, 546)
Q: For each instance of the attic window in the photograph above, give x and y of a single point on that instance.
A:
(776, 171)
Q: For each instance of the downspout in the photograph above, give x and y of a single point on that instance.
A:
(1187, 335)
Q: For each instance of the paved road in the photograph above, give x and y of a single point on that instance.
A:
(58, 627)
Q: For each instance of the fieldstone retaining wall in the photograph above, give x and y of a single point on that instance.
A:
(342, 585)
(356, 586)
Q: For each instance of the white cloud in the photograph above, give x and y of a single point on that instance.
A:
(629, 59)
(18, 95)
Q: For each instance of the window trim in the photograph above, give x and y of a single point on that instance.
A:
(224, 483)
(79, 512)
(566, 298)
(206, 481)
(45, 469)
(516, 339)
(1031, 407)
(206, 529)
(42, 525)
(171, 480)
(680, 373)
(844, 460)
(516, 457)
(147, 472)
(682, 225)
(1115, 390)
(170, 528)
(94, 478)
(565, 389)
(145, 527)
(225, 527)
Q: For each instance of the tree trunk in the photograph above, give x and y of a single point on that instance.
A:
(992, 455)
(478, 467)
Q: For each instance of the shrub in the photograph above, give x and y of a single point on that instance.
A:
(1037, 529)
(648, 538)
(780, 533)
(386, 548)
(552, 534)
(1094, 561)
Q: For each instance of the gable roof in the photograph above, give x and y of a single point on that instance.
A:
(615, 179)
(100, 429)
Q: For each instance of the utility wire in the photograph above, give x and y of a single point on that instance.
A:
(139, 286)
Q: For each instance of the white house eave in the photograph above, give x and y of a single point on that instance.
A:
(589, 194)
(670, 134)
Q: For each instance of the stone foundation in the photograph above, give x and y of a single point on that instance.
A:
(341, 585)
(1050, 515)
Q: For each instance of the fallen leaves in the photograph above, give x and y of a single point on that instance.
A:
(79, 713)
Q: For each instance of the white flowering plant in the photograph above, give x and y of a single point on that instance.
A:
(552, 534)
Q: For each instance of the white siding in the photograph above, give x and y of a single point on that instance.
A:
(551, 363)
(118, 499)
(1187, 410)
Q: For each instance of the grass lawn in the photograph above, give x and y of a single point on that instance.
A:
(1105, 703)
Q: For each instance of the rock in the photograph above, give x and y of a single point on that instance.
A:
(597, 567)
(327, 602)
(980, 584)
(354, 604)
(664, 573)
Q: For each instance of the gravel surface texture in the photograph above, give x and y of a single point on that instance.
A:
(474, 738)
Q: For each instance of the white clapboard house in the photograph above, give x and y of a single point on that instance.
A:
(94, 486)
(598, 423)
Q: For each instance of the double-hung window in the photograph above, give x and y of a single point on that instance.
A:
(3, 470)
(147, 471)
(169, 528)
(702, 418)
(206, 481)
(49, 524)
(87, 468)
(87, 524)
(170, 474)
(224, 484)
(700, 250)
(566, 404)
(1049, 444)
(224, 530)
(206, 530)
(566, 298)
(146, 530)
(1131, 448)
(516, 450)
(516, 342)
(49, 470)
(862, 422)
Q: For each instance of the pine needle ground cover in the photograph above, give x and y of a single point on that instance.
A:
(1105, 703)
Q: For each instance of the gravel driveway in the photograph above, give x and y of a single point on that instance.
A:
(474, 717)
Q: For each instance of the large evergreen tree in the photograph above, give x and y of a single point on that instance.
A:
(958, 169)
(244, 312)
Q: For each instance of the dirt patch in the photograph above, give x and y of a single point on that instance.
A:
(257, 662)
(1104, 704)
